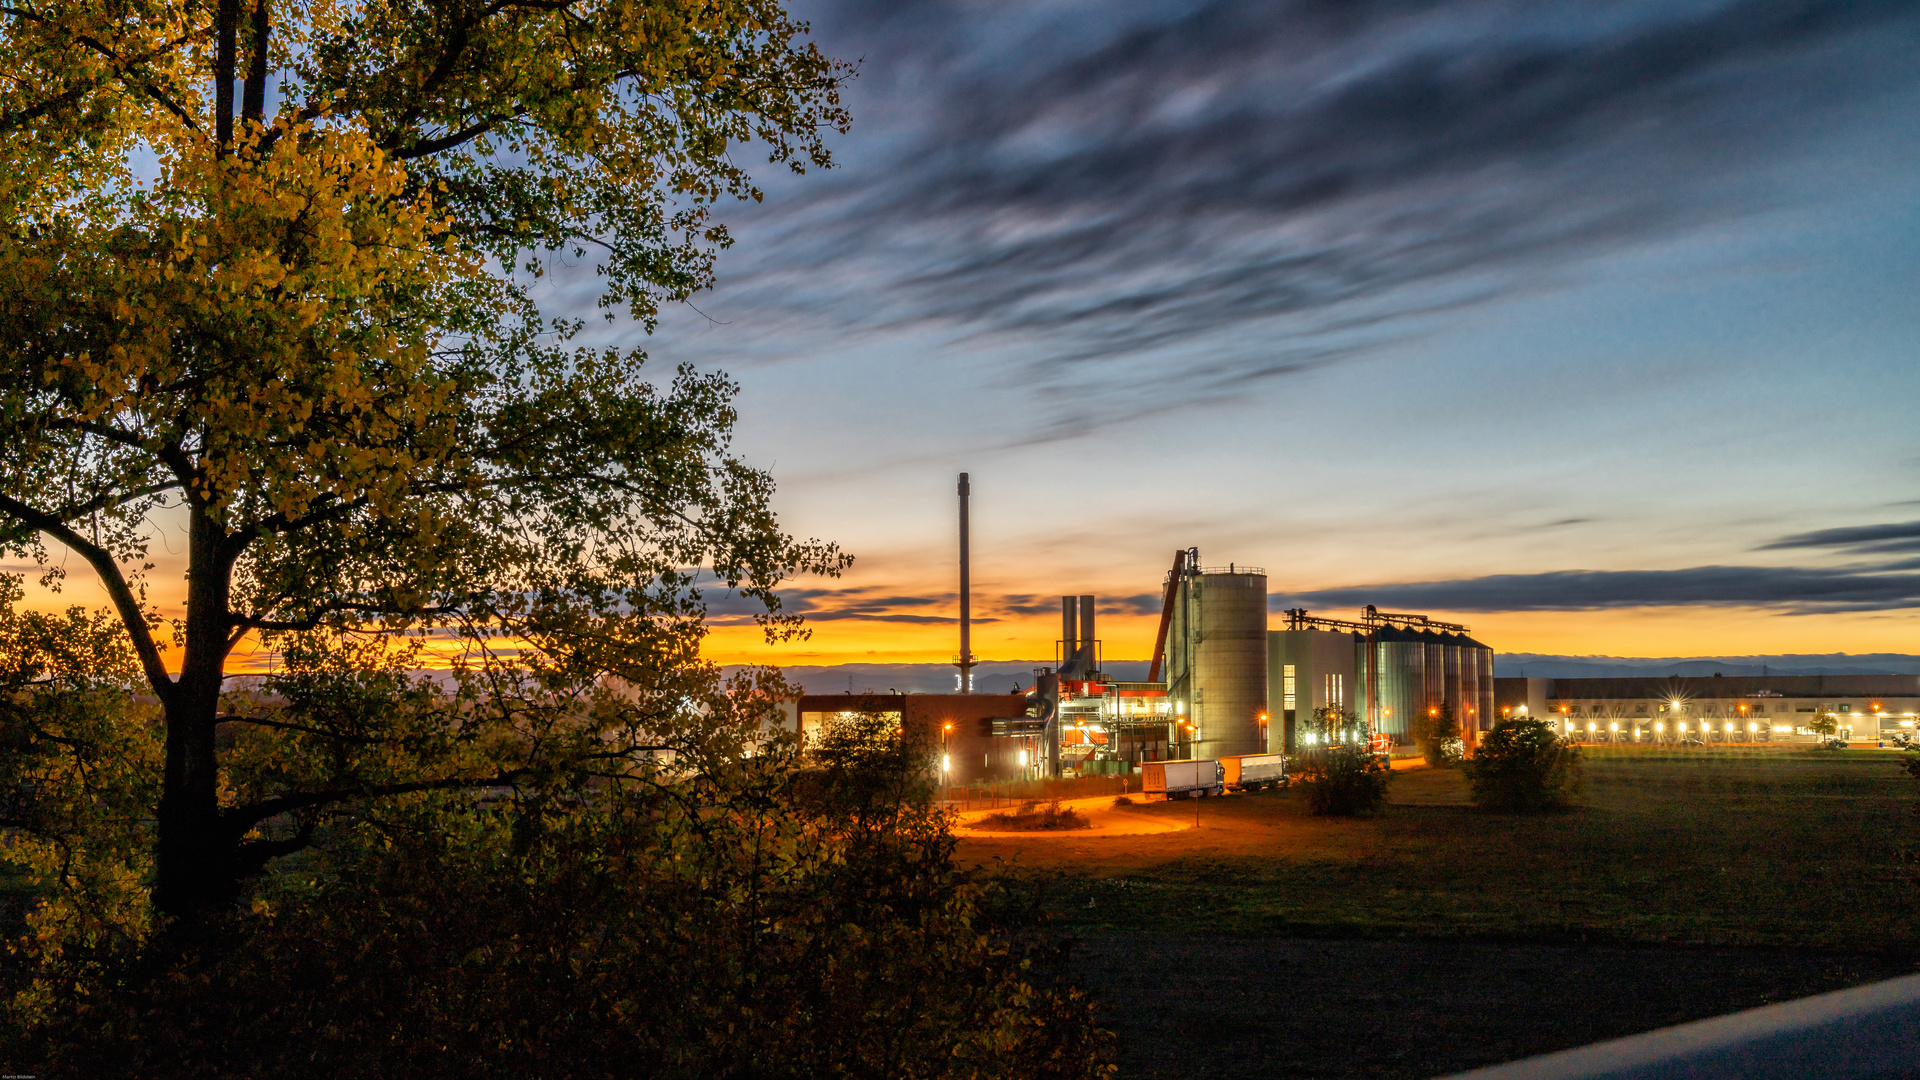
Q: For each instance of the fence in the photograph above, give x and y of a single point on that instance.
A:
(993, 796)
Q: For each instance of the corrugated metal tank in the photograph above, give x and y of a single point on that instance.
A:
(1483, 716)
(1436, 682)
(1399, 678)
(1229, 661)
(1458, 668)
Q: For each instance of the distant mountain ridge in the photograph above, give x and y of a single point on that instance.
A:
(1002, 676)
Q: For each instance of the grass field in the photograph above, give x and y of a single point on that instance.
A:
(1708, 847)
(1436, 937)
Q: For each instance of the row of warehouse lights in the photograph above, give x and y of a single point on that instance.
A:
(1679, 706)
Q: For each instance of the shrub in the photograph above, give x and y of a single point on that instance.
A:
(1341, 776)
(1032, 817)
(752, 920)
(1342, 780)
(1522, 766)
(1120, 801)
(1437, 735)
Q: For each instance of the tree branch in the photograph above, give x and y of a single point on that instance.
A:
(226, 30)
(424, 147)
(108, 568)
(261, 721)
(247, 815)
(254, 101)
(255, 854)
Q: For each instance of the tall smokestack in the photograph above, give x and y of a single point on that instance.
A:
(1069, 631)
(1086, 632)
(965, 663)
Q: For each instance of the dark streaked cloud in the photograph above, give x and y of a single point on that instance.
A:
(1898, 537)
(1791, 589)
(830, 605)
(1233, 191)
(882, 605)
(1027, 604)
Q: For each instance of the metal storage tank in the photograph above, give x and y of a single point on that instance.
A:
(1217, 657)
(1394, 679)
(1458, 665)
(1483, 716)
(1436, 681)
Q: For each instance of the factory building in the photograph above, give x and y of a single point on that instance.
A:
(1308, 669)
(979, 737)
(1213, 643)
(1385, 668)
(1221, 683)
(1715, 709)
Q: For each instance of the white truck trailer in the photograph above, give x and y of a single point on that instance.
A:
(1178, 779)
(1252, 772)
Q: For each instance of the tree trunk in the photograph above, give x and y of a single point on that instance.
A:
(196, 857)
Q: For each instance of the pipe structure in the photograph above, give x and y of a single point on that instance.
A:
(965, 663)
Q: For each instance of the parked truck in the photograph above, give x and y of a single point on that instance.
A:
(1252, 772)
(1179, 779)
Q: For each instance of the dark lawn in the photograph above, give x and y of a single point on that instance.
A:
(1210, 1006)
(1796, 848)
(1435, 937)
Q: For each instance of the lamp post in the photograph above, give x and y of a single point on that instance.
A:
(946, 761)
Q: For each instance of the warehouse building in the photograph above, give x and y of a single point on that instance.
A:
(1715, 709)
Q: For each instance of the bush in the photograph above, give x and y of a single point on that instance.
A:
(1032, 817)
(1343, 780)
(1522, 766)
(755, 920)
(1437, 735)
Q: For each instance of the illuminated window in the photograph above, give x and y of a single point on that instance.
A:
(1289, 685)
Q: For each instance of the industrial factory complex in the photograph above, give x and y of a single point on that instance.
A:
(1224, 681)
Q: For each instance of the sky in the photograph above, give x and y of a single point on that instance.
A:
(1590, 325)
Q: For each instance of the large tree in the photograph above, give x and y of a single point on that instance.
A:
(268, 288)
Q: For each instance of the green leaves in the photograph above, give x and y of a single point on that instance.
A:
(1523, 766)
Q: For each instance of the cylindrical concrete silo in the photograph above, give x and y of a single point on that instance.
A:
(1229, 660)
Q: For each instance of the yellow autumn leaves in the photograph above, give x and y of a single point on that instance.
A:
(282, 306)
